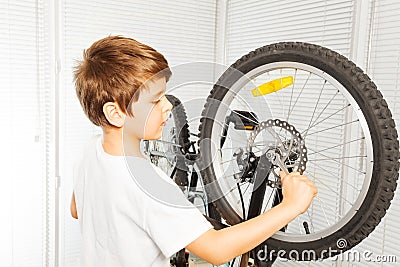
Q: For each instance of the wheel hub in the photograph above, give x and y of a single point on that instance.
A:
(286, 143)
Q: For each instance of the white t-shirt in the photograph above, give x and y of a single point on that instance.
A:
(130, 212)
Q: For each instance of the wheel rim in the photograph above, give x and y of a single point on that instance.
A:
(344, 208)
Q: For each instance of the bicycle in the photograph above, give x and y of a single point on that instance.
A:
(327, 119)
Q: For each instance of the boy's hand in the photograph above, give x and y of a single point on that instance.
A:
(297, 190)
(220, 246)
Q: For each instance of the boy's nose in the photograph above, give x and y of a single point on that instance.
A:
(168, 106)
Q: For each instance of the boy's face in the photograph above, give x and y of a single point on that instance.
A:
(150, 112)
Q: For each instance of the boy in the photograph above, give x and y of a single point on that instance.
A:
(121, 84)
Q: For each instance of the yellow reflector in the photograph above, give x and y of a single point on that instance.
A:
(272, 86)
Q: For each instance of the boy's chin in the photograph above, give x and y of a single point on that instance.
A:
(154, 137)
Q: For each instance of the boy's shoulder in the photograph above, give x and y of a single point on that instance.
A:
(89, 147)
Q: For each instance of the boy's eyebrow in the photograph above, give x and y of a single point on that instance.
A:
(159, 93)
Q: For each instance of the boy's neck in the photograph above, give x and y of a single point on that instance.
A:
(115, 145)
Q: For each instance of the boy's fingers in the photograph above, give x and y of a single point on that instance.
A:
(282, 174)
(302, 178)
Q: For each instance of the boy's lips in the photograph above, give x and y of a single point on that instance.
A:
(163, 123)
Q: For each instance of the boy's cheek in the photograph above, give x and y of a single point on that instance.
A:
(146, 123)
(132, 127)
(153, 127)
(153, 131)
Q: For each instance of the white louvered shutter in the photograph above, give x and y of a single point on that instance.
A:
(26, 219)
(383, 66)
(252, 24)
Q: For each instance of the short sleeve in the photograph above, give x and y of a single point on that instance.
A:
(169, 218)
(173, 228)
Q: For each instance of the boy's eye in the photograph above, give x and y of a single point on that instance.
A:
(158, 100)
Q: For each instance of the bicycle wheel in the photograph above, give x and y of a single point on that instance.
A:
(322, 116)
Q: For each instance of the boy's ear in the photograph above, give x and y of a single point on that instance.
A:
(114, 114)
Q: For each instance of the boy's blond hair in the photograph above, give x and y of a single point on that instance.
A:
(112, 70)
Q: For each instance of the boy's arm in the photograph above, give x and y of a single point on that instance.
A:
(218, 247)
(74, 213)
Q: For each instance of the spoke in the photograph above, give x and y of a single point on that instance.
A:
(283, 104)
(272, 131)
(223, 162)
(291, 144)
(301, 91)
(248, 185)
(349, 157)
(309, 217)
(231, 148)
(274, 95)
(335, 146)
(342, 179)
(291, 94)
(315, 108)
(319, 115)
(324, 204)
(330, 189)
(333, 159)
(299, 223)
(234, 139)
(241, 199)
(256, 122)
(278, 96)
(279, 134)
(330, 128)
(166, 142)
(260, 143)
(315, 124)
(269, 198)
(326, 217)
(258, 149)
(282, 136)
(234, 187)
(225, 135)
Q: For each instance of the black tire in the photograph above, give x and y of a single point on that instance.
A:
(379, 120)
(181, 125)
